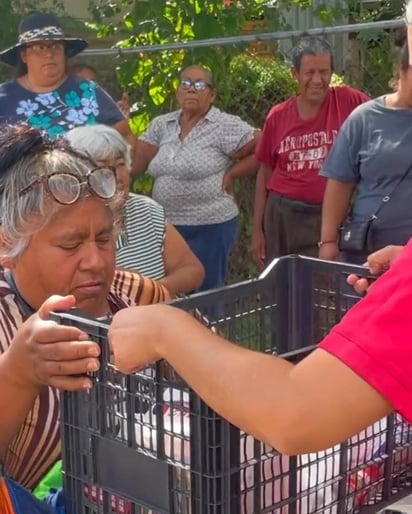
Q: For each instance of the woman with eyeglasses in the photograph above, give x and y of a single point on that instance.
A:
(147, 242)
(43, 94)
(194, 154)
(59, 218)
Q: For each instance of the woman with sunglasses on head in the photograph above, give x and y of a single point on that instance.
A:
(147, 242)
(194, 154)
(59, 213)
(43, 94)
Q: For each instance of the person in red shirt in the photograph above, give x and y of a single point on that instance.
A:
(296, 139)
(358, 374)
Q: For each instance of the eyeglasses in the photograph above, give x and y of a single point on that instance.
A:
(65, 187)
(199, 85)
(42, 48)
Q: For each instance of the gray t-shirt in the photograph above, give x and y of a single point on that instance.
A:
(188, 173)
(374, 150)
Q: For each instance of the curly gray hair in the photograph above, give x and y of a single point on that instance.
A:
(25, 154)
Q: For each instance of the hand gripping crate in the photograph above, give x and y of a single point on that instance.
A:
(147, 444)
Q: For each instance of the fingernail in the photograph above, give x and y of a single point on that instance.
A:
(92, 366)
(94, 351)
(83, 336)
(87, 384)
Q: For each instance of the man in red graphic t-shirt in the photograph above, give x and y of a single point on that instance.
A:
(296, 139)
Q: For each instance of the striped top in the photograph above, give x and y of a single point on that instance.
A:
(36, 447)
(140, 245)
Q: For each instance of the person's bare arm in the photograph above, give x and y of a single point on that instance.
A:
(258, 246)
(336, 202)
(184, 271)
(245, 164)
(142, 153)
(296, 409)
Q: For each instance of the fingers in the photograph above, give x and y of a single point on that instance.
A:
(68, 350)
(56, 303)
(68, 368)
(70, 383)
(360, 285)
(47, 331)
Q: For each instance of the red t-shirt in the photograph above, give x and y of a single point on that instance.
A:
(295, 149)
(375, 337)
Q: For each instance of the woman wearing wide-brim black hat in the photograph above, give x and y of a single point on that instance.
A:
(43, 94)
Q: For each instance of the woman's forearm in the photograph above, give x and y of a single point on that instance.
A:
(244, 167)
(16, 401)
(336, 203)
(183, 280)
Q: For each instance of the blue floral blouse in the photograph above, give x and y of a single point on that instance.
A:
(76, 102)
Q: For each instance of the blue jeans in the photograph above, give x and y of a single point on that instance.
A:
(211, 244)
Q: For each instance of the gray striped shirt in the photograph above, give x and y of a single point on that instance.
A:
(140, 245)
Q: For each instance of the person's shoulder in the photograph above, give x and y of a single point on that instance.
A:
(10, 315)
(11, 91)
(282, 108)
(8, 86)
(225, 119)
(349, 95)
(136, 202)
(365, 109)
(134, 289)
(169, 116)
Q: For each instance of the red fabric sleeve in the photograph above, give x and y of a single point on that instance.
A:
(375, 337)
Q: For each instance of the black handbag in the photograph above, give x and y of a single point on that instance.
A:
(355, 235)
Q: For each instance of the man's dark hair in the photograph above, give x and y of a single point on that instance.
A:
(310, 45)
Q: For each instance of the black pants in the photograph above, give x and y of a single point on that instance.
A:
(291, 227)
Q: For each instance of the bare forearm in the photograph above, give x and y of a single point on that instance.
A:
(335, 207)
(230, 379)
(184, 280)
(284, 405)
(142, 154)
(244, 167)
(260, 197)
(15, 403)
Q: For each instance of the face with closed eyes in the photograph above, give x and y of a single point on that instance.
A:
(313, 77)
(74, 254)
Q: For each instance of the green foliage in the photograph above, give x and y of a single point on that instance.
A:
(252, 84)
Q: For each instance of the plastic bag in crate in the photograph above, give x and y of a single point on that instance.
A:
(371, 446)
(272, 478)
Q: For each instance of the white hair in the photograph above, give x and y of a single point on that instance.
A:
(100, 142)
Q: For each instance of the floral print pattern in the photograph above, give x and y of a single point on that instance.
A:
(59, 111)
(76, 102)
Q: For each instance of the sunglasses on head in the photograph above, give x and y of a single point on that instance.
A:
(66, 187)
(199, 85)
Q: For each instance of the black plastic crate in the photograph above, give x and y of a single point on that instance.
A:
(146, 443)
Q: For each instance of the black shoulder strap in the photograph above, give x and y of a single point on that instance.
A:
(25, 307)
(386, 198)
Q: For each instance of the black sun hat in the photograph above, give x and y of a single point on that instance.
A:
(41, 27)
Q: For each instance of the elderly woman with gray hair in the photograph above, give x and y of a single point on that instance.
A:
(59, 211)
(147, 243)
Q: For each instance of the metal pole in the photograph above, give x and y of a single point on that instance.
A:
(246, 38)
